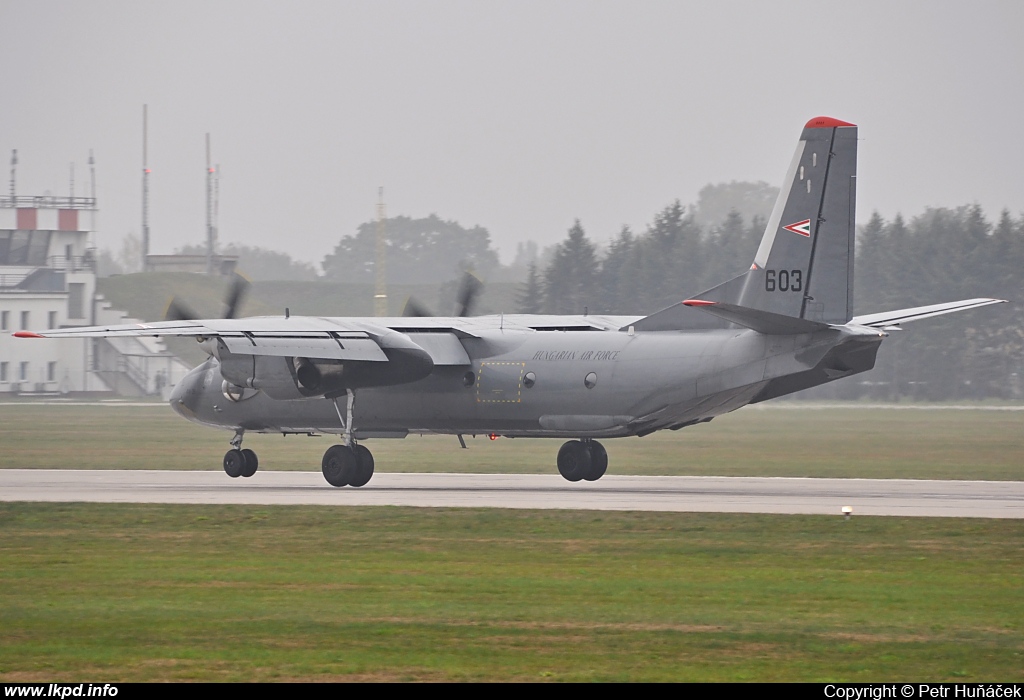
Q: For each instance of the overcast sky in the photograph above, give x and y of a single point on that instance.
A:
(518, 116)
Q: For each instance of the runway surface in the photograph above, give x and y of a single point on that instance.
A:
(904, 497)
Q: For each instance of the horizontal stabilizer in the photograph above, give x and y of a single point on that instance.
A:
(895, 318)
(761, 321)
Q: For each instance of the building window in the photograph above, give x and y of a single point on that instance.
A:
(76, 300)
(24, 247)
(51, 371)
(52, 320)
(17, 248)
(3, 371)
(5, 317)
(24, 320)
(23, 374)
(38, 245)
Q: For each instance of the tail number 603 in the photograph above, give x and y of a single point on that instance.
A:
(783, 280)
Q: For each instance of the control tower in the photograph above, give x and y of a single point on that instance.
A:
(48, 280)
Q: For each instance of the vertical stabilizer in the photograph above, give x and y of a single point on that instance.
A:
(804, 265)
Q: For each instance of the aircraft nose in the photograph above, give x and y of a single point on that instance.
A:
(178, 391)
(185, 392)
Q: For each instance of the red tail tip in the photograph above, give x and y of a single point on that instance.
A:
(698, 302)
(821, 122)
(27, 334)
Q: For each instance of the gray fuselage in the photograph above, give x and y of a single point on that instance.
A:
(528, 383)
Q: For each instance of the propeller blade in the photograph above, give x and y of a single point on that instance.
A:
(469, 290)
(413, 309)
(236, 293)
(178, 311)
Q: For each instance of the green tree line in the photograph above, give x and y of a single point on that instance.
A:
(941, 255)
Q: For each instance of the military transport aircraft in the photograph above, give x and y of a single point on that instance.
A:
(784, 325)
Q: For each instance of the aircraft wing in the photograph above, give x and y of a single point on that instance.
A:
(298, 336)
(895, 318)
(161, 328)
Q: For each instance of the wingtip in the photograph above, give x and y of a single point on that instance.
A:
(27, 334)
(698, 302)
(823, 122)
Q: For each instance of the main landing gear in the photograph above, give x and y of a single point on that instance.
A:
(582, 459)
(348, 464)
(239, 462)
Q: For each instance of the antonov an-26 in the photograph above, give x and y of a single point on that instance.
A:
(784, 325)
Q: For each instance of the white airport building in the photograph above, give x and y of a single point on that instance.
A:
(48, 280)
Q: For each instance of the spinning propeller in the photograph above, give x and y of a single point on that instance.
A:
(469, 289)
(179, 311)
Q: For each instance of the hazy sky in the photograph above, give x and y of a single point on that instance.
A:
(518, 116)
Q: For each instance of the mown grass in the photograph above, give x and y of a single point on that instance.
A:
(152, 592)
(811, 441)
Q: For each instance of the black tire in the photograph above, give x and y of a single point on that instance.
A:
(252, 463)
(364, 461)
(573, 460)
(598, 461)
(234, 463)
(339, 465)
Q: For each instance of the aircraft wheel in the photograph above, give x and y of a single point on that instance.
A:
(339, 465)
(252, 463)
(364, 462)
(234, 463)
(573, 460)
(598, 461)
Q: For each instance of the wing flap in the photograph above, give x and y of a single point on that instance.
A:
(322, 347)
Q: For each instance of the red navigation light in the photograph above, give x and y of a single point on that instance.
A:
(493, 436)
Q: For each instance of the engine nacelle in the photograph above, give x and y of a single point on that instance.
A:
(319, 376)
(288, 378)
(274, 376)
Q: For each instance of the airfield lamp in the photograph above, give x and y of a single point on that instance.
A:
(847, 512)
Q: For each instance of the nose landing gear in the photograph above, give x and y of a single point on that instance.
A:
(582, 459)
(239, 462)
